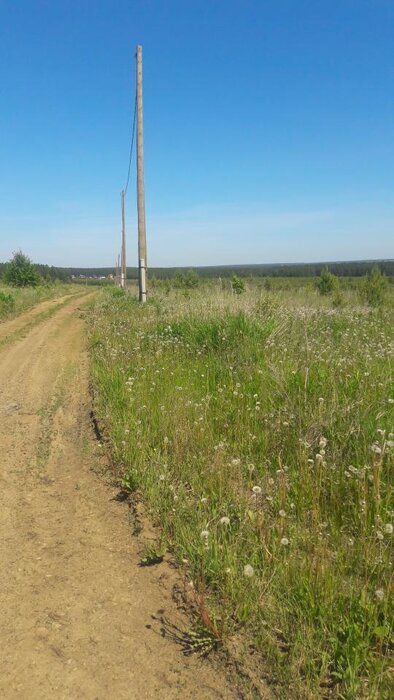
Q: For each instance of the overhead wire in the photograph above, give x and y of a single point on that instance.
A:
(131, 146)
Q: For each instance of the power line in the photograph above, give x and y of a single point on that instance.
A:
(131, 146)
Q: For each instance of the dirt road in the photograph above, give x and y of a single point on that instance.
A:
(75, 606)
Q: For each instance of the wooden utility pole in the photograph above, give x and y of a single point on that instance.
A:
(142, 261)
(123, 253)
(117, 278)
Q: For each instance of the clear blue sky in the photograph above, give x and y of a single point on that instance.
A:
(269, 129)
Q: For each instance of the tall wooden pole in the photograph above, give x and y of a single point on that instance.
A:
(118, 271)
(142, 262)
(123, 253)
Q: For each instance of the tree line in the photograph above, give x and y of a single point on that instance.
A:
(47, 273)
(340, 269)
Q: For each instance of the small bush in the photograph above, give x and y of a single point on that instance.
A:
(186, 280)
(237, 285)
(7, 303)
(327, 282)
(338, 299)
(374, 287)
(7, 299)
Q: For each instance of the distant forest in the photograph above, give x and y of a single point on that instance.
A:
(341, 269)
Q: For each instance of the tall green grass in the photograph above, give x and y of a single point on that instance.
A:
(259, 430)
(15, 300)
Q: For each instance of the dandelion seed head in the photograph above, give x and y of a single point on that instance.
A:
(284, 541)
(388, 528)
(225, 520)
(256, 490)
(248, 571)
(379, 594)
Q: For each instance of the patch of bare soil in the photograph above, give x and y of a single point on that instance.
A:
(76, 607)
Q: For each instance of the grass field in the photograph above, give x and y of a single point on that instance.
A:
(14, 300)
(259, 429)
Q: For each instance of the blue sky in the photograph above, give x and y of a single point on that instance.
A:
(269, 129)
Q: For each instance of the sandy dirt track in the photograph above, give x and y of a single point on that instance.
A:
(75, 606)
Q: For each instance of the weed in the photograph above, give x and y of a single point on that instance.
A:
(259, 430)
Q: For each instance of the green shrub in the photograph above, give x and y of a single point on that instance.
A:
(374, 287)
(338, 299)
(20, 272)
(7, 303)
(327, 282)
(237, 284)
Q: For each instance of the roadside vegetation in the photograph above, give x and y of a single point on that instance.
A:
(259, 428)
(22, 286)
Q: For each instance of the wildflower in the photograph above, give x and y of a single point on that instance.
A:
(204, 534)
(379, 594)
(204, 500)
(321, 400)
(388, 528)
(225, 520)
(376, 449)
(323, 442)
(248, 571)
(319, 457)
(284, 541)
(256, 490)
(379, 535)
(282, 513)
